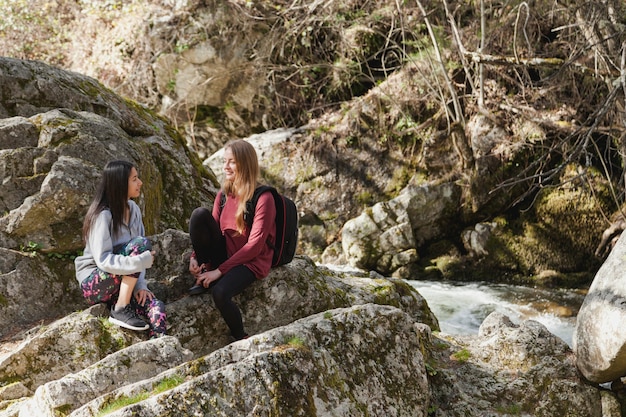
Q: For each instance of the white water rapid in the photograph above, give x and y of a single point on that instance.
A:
(462, 307)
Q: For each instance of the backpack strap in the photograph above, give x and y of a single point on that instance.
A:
(248, 216)
(222, 198)
(251, 204)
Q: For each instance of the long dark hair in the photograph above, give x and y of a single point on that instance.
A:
(112, 194)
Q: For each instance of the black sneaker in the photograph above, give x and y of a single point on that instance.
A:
(127, 318)
(197, 290)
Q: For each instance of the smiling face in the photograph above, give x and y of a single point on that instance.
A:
(230, 165)
(134, 184)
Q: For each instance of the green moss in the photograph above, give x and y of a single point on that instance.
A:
(107, 343)
(163, 385)
(121, 403)
(10, 380)
(296, 342)
(399, 180)
(462, 355)
(365, 198)
(510, 409)
(63, 410)
(196, 367)
(431, 370)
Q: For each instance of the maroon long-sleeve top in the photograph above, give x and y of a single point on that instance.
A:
(250, 248)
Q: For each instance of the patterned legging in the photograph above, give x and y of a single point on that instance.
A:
(103, 287)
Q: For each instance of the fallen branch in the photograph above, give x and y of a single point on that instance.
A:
(510, 60)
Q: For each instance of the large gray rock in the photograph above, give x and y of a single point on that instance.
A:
(137, 362)
(65, 346)
(59, 130)
(31, 291)
(385, 237)
(363, 360)
(289, 293)
(512, 370)
(599, 338)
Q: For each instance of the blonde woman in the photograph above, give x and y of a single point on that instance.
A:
(228, 255)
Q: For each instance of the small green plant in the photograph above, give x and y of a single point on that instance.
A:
(295, 341)
(30, 247)
(430, 369)
(180, 47)
(328, 315)
(171, 85)
(462, 355)
(352, 141)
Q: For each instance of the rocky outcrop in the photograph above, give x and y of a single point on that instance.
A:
(58, 129)
(81, 343)
(364, 359)
(385, 237)
(599, 340)
(511, 369)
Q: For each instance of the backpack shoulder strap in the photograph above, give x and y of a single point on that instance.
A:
(251, 204)
(222, 198)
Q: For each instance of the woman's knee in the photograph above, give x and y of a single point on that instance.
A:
(157, 304)
(199, 213)
(137, 245)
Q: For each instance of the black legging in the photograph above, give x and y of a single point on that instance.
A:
(208, 243)
(206, 238)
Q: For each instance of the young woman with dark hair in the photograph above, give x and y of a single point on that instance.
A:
(113, 265)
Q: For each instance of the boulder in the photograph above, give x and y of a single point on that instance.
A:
(137, 362)
(362, 360)
(65, 346)
(599, 339)
(293, 291)
(512, 369)
(385, 237)
(59, 130)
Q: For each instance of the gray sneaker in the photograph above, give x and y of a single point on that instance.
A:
(127, 318)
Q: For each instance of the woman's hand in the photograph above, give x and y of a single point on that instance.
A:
(142, 296)
(194, 268)
(208, 277)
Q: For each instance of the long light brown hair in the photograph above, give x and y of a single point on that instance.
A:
(246, 177)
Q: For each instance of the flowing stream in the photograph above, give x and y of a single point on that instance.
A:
(462, 307)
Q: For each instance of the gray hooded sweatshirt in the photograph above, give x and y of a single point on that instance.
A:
(98, 251)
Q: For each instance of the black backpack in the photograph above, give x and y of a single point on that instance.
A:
(286, 223)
